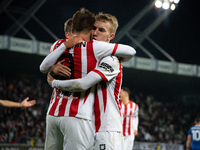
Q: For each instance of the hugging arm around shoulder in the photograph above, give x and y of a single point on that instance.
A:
(51, 59)
(125, 52)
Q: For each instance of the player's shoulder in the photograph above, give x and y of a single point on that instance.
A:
(135, 104)
(56, 44)
(59, 41)
(195, 127)
(111, 61)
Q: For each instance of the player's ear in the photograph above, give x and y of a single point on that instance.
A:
(67, 34)
(112, 35)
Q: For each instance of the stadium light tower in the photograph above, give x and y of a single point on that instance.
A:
(166, 4)
(139, 29)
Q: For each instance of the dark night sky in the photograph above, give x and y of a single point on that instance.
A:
(178, 34)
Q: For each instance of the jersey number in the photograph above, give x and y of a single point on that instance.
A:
(196, 135)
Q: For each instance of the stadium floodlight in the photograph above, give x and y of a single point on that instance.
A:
(166, 4)
(176, 1)
(173, 6)
(158, 3)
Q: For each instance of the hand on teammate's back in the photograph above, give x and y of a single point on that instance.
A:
(135, 132)
(73, 40)
(60, 69)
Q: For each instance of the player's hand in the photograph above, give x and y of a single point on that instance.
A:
(50, 79)
(73, 40)
(135, 132)
(60, 69)
(26, 103)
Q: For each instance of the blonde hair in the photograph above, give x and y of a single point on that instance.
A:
(68, 26)
(108, 18)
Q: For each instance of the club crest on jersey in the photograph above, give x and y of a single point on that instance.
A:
(106, 66)
(102, 146)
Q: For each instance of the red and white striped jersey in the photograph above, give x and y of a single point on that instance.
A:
(107, 108)
(130, 118)
(81, 59)
(57, 44)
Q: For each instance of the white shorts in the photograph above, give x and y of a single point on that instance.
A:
(68, 133)
(109, 141)
(128, 142)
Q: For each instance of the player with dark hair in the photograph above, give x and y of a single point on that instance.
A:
(24, 103)
(130, 118)
(77, 106)
(193, 138)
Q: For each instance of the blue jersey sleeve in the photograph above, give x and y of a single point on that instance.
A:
(189, 132)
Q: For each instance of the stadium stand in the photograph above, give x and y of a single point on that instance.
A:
(161, 119)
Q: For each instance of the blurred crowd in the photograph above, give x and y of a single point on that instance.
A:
(159, 120)
(163, 120)
(23, 125)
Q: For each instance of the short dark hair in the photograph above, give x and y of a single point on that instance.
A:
(197, 120)
(68, 25)
(83, 20)
(127, 90)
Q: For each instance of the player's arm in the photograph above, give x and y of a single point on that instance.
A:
(75, 85)
(124, 52)
(24, 103)
(103, 71)
(188, 142)
(136, 121)
(51, 58)
(59, 68)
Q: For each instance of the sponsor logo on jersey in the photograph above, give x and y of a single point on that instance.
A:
(106, 67)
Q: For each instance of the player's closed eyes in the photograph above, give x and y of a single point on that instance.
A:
(94, 28)
(102, 30)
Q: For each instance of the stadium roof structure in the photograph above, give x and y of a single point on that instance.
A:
(166, 42)
(159, 36)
